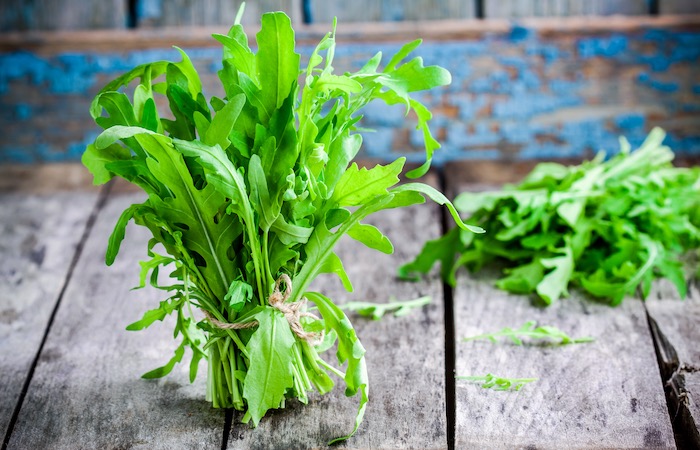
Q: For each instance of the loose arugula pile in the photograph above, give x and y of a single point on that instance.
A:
(607, 226)
(247, 189)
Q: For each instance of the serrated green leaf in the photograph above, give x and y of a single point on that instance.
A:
(270, 372)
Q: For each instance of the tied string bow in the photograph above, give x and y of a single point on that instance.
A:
(293, 312)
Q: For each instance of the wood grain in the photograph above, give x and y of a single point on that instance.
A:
(677, 335)
(38, 238)
(23, 15)
(323, 11)
(218, 12)
(679, 7)
(604, 394)
(50, 43)
(544, 8)
(86, 391)
(405, 356)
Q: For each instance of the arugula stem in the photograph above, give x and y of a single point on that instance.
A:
(266, 261)
(302, 366)
(653, 253)
(331, 368)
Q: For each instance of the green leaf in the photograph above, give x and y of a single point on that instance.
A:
(350, 350)
(377, 310)
(333, 264)
(270, 371)
(440, 199)
(239, 292)
(371, 237)
(160, 372)
(554, 285)
(97, 160)
(223, 122)
(166, 307)
(443, 249)
(358, 186)
(277, 62)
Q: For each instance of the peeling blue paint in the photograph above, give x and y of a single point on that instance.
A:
(519, 33)
(627, 122)
(502, 86)
(605, 47)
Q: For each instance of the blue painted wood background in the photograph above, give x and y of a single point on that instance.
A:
(516, 95)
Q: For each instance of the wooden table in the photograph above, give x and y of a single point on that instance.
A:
(69, 372)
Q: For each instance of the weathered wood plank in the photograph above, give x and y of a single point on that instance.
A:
(323, 11)
(39, 234)
(677, 335)
(605, 394)
(86, 391)
(536, 8)
(214, 12)
(405, 356)
(679, 7)
(24, 15)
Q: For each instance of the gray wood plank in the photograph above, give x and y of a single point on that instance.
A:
(605, 394)
(677, 335)
(86, 391)
(405, 356)
(39, 234)
(217, 12)
(323, 11)
(679, 7)
(24, 15)
(537, 8)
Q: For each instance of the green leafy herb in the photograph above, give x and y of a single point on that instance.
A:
(532, 331)
(245, 190)
(377, 310)
(490, 381)
(609, 227)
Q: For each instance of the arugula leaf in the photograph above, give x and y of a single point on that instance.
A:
(531, 330)
(610, 226)
(491, 381)
(270, 372)
(249, 189)
(377, 310)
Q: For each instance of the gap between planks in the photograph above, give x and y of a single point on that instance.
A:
(101, 200)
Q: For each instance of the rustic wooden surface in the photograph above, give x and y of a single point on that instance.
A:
(534, 8)
(24, 15)
(604, 394)
(676, 323)
(39, 234)
(38, 237)
(85, 390)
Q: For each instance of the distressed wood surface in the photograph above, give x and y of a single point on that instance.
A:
(24, 15)
(323, 11)
(676, 328)
(86, 391)
(531, 8)
(214, 12)
(405, 355)
(679, 7)
(604, 394)
(39, 234)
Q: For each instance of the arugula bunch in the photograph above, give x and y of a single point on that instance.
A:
(608, 226)
(250, 190)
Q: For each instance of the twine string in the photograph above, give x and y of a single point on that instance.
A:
(293, 312)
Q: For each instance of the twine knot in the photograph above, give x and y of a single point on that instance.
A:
(293, 312)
